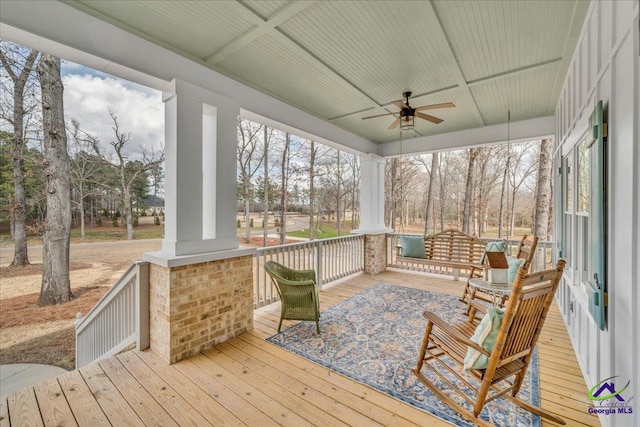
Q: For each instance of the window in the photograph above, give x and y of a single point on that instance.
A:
(583, 176)
(583, 222)
(575, 232)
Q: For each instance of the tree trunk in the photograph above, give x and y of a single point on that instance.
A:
(247, 221)
(81, 208)
(284, 185)
(128, 215)
(443, 188)
(18, 210)
(56, 287)
(468, 192)
(543, 192)
(429, 213)
(393, 199)
(502, 195)
(338, 196)
(265, 230)
(312, 192)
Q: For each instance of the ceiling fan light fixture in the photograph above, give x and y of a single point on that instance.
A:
(407, 122)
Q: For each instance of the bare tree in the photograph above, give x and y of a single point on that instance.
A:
(18, 66)
(543, 194)
(284, 185)
(443, 174)
(127, 174)
(56, 287)
(84, 168)
(429, 220)
(503, 190)
(313, 151)
(521, 170)
(265, 144)
(354, 189)
(468, 191)
(487, 178)
(249, 160)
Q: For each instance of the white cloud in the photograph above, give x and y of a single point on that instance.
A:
(140, 111)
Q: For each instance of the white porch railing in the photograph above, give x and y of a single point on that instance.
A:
(541, 261)
(332, 259)
(119, 320)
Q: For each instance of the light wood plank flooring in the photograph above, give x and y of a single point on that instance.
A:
(250, 382)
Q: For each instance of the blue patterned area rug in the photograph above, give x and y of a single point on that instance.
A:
(374, 338)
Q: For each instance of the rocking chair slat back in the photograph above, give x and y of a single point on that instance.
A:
(524, 316)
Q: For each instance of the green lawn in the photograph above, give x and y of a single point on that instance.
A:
(325, 231)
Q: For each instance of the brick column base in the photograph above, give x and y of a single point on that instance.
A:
(375, 253)
(197, 306)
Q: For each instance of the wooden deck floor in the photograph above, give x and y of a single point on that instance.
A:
(250, 382)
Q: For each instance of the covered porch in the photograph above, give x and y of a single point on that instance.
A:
(594, 59)
(249, 381)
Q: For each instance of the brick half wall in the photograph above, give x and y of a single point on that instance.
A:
(375, 253)
(195, 307)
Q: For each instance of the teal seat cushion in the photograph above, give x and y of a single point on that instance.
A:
(514, 265)
(412, 246)
(485, 336)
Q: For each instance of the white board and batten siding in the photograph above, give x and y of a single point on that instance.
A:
(606, 66)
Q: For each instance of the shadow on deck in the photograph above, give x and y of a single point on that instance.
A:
(248, 381)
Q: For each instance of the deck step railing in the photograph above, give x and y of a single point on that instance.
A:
(332, 259)
(119, 320)
(541, 261)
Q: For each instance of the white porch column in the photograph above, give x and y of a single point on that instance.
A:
(372, 213)
(372, 195)
(200, 199)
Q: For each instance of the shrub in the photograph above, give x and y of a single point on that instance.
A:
(251, 223)
(238, 225)
(115, 221)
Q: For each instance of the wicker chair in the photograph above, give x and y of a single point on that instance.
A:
(444, 346)
(297, 291)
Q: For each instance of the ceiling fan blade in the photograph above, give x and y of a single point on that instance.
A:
(379, 115)
(434, 106)
(400, 104)
(395, 123)
(428, 117)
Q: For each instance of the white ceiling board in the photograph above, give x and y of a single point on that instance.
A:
(493, 37)
(382, 48)
(526, 95)
(265, 8)
(341, 60)
(197, 28)
(278, 69)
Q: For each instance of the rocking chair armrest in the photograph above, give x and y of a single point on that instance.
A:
(474, 268)
(478, 307)
(453, 333)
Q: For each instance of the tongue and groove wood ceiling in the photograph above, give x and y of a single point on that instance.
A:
(344, 60)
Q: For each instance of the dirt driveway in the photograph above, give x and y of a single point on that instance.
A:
(32, 334)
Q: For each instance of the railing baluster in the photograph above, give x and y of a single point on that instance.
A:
(330, 258)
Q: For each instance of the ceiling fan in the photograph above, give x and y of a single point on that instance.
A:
(407, 113)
